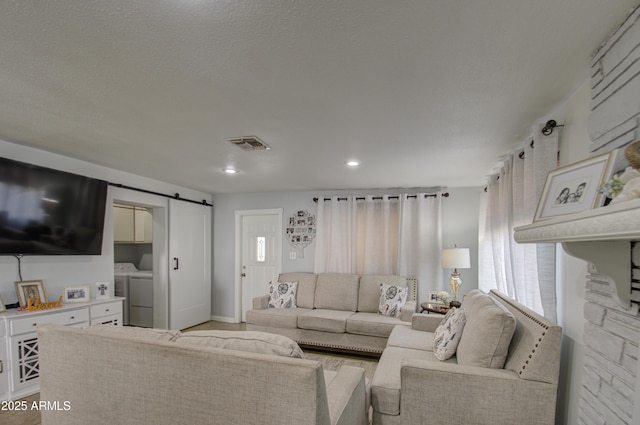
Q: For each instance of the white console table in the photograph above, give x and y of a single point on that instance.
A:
(19, 363)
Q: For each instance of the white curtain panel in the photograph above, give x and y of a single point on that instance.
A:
(334, 236)
(420, 246)
(377, 224)
(382, 235)
(525, 272)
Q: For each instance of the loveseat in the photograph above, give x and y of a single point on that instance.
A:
(335, 311)
(113, 375)
(504, 370)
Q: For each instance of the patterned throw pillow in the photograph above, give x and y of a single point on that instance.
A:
(392, 299)
(448, 334)
(282, 295)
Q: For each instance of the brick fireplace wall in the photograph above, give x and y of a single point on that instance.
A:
(611, 385)
(611, 338)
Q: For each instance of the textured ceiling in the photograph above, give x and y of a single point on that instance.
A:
(423, 93)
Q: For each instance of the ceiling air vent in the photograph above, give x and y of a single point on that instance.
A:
(249, 143)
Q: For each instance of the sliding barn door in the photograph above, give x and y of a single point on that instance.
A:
(189, 264)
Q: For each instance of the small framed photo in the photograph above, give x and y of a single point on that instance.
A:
(30, 289)
(434, 299)
(102, 290)
(573, 188)
(76, 294)
(2, 306)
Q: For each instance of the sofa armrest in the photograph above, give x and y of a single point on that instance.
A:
(425, 322)
(261, 303)
(407, 311)
(505, 398)
(348, 397)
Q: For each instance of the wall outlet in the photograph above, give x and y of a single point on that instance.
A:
(292, 255)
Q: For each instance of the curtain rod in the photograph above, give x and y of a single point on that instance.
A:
(446, 195)
(175, 196)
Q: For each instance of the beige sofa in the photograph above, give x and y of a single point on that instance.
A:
(113, 375)
(492, 379)
(337, 311)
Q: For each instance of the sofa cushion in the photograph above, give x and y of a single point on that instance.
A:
(448, 333)
(407, 337)
(337, 291)
(325, 320)
(372, 324)
(253, 342)
(306, 287)
(369, 290)
(276, 317)
(392, 299)
(386, 382)
(282, 295)
(487, 334)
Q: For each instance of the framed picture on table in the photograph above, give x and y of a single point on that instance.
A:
(30, 289)
(434, 300)
(573, 188)
(76, 294)
(102, 290)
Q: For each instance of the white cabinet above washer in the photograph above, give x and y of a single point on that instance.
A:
(132, 224)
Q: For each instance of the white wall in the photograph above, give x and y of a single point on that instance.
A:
(459, 216)
(60, 271)
(571, 272)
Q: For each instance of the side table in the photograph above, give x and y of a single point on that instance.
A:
(432, 308)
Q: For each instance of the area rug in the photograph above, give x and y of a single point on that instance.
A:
(332, 361)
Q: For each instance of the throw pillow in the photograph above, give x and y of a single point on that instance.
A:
(487, 335)
(282, 295)
(392, 299)
(250, 341)
(448, 333)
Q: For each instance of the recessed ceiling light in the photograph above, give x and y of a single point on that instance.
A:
(230, 170)
(353, 163)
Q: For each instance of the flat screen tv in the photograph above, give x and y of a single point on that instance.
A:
(49, 212)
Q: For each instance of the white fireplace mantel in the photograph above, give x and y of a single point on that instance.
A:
(601, 236)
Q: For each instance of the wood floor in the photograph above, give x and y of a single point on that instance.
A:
(217, 326)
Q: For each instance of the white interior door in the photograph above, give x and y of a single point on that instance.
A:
(261, 250)
(189, 264)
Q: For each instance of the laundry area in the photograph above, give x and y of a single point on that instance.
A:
(133, 263)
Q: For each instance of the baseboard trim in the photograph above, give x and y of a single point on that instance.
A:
(224, 319)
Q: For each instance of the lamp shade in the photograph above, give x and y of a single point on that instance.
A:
(456, 258)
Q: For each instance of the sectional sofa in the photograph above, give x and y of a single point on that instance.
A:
(114, 375)
(335, 311)
(505, 370)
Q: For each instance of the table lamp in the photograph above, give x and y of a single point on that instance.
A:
(455, 258)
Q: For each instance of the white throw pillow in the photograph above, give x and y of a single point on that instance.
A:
(448, 334)
(282, 295)
(392, 299)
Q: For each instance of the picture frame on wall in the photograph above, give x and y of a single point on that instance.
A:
(30, 289)
(76, 294)
(573, 188)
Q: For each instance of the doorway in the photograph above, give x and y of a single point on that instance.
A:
(157, 209)
(133, 262)
(258, 255)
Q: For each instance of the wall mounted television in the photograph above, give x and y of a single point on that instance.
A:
(49, 212)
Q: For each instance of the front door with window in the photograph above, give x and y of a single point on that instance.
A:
(261, 255)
